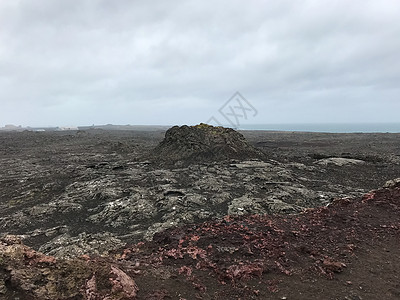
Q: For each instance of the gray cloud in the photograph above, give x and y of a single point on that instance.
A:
(166, 62)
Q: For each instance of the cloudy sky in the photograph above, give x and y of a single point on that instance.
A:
(174, 62)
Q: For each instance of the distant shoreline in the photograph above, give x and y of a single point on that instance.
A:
(295, 127)
(327, 127)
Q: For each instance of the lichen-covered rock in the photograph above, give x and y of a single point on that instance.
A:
(392, 183)
(66, 246)
(340, 161)
(204, 143)
(246, 205)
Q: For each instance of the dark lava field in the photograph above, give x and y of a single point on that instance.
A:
(72, 194)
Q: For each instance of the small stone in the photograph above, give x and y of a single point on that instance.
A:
(3, 288)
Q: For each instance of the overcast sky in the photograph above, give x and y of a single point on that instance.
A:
(174, 62)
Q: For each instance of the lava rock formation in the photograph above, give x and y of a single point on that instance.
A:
(204, 142)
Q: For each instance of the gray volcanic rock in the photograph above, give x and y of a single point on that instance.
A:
(67, 246)
(89, 193)
(204, 143)
(340, 161)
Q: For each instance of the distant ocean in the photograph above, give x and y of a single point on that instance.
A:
(327, 127)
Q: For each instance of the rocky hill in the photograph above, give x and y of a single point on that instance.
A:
(191, 144)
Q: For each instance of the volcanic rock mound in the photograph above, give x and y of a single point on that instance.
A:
(204, 142)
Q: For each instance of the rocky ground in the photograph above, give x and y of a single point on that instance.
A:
(68, 194)
(88, 192)
(348, 250)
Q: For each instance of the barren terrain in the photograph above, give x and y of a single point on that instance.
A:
(247, 228)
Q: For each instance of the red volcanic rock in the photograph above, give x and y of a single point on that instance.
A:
(333, 266)
(122, 283)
